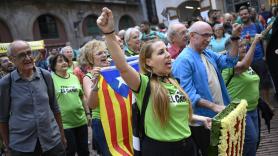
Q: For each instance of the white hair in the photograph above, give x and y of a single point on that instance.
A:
(128, 33)
(64, 49)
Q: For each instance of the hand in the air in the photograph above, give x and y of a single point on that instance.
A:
(105, 21)
(237, 28)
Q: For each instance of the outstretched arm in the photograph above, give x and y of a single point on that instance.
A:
(106, 24)
(248, 58)
(235, 34)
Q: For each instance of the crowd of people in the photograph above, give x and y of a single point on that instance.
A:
(193, 72)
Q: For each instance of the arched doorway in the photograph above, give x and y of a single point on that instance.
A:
(188, 11)
(126, 22)
(5, 35)
(50, 29)
(90, 27)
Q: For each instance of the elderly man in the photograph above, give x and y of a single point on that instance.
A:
(228, 21)
(132, 41)
(6, 66)
(176, 35)
(30, 120)
(199, 71)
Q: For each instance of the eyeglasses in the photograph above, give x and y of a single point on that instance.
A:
(24, 55)
(3, 61)
(206, 35)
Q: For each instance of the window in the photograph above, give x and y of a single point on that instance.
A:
(48, 27)
(126, 22)
(91, 28)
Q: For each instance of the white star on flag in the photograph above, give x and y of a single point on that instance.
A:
(121, 81)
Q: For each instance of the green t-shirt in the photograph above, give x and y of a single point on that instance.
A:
(68, 92)
(243, 86)
(96, 111)
(177, 127)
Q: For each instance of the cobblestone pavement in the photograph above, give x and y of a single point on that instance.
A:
(269, 141)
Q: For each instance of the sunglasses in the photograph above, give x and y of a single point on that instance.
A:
(24, 55)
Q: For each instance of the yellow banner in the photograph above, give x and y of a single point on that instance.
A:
(35, 45)
(272, 2)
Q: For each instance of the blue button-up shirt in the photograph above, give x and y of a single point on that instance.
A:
(190, 70)
(29, 116)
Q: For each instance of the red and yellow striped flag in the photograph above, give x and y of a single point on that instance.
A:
(115, 100)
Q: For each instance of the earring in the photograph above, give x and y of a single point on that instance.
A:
(150, 72)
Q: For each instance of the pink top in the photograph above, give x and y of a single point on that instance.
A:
(174, 51)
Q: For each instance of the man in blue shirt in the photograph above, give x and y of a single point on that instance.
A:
(248, 33)
(199, 71)
(30, 120)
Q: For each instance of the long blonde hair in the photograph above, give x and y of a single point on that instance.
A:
(159, 94)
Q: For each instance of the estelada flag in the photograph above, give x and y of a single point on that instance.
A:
(115, 99)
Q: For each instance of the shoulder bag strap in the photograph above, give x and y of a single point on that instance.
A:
(143, 110)
(230, 78)
(10, 90)
(49, 86)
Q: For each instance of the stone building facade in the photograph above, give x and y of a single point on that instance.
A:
(62, 21)
(186, 10)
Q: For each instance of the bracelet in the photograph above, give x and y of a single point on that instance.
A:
(234, 38)
(108, 33)
(88, 113)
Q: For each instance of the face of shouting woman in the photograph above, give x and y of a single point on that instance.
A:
(160, 61)
(100, 59)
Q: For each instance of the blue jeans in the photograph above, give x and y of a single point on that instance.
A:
(99, 137)
(251, 133)
(77, 141)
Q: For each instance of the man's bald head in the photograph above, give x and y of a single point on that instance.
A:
(200, 35)
(15, 45)
(199, 27)
(228, 18)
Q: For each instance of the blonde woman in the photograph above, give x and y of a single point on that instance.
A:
(169, 111)
(94, 57)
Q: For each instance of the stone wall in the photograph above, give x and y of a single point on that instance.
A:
(19, 16)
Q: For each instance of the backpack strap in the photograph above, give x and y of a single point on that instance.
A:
(143, 110)
(9, 90)
(230, 78)
(259, 31)
(50, 87)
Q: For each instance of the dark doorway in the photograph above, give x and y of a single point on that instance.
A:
(237, 6)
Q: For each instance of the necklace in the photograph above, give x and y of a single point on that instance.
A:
(164, 79)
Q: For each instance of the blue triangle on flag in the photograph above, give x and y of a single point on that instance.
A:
(115, 81)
